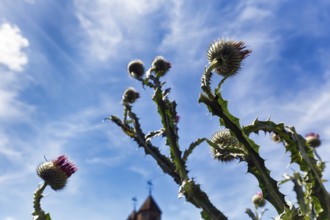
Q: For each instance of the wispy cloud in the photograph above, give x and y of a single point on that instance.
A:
(181, 30)
(111, 35)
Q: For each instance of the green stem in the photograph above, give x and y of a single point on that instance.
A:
(194, 195)
(256, 164)
(170, 131)
(36, 202)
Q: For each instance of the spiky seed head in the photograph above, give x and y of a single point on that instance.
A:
(258, 200)
(160, 65)
(130, 95)
(228, 55)
(224, 139)
(313, 140)
(136, 69)
(225, 143)
(56, 173)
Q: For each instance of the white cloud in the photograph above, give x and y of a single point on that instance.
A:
(11, 45)
(14, 59)
(114, 27)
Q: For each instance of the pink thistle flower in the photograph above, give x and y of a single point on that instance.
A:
(64, 164)
(56, 172)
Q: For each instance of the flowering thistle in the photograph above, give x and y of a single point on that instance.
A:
(227, 55)
(56, 172)
(130, 95)
(313, 140)
(258, 200)
(226, 147)
(136, 69)
(160, 66)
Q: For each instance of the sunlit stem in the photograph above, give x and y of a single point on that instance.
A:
(36, 202)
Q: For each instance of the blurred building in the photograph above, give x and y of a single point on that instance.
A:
(148, 211)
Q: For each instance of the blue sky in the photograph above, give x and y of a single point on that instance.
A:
(63, 69)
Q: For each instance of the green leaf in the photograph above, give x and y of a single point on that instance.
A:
(205, 216)
(192, 146)
(48, 217)
(251, 214)
(153, 134)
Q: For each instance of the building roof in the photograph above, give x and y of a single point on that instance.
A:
(150, 205)
(132, 216)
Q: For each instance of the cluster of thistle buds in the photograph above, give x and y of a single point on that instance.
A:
(159, 66)
(56, 172)
(225, 58)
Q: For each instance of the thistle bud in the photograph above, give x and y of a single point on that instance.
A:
(313, 140)
(258, 200)
(136, 69)
(228, 56)
(224, 139)
(160, 66)
(227, 147)
(130, 95)
(56, 173)
(276, 138)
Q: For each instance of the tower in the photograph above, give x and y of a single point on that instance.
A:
(149, 210)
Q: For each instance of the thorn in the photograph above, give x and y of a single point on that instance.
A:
(255, 121)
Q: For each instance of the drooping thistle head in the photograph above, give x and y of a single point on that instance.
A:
(136, 69)
(225, 147)
(160, 66)
(130, 96)
(228, 55)
(258, 200)
(313, 140)
(56, 172)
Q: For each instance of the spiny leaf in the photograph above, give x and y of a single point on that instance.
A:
(251, 214)
(153, 134)
(206, 80)
(192, 146)
(256, 166)
(126, 129)
(298, 188)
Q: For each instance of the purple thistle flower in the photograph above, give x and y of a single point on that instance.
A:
(56, 172)
(64, 164)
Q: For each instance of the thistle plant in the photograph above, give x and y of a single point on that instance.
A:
(55, 174)
(233, 142)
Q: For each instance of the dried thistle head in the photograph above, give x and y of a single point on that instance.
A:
(136, 69)
(228, 55)
(160, 66)
(130, 95)
(226, 147)
(56, 173)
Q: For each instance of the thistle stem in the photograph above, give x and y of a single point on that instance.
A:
(36, 202)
